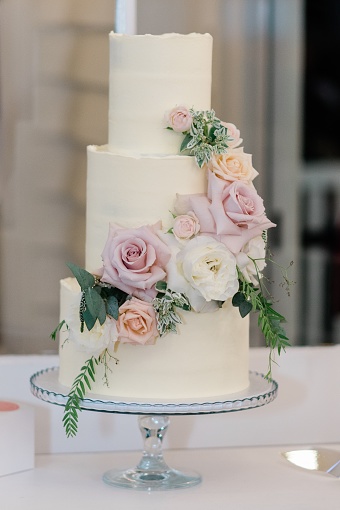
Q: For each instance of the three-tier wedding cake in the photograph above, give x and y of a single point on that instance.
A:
(173, 225)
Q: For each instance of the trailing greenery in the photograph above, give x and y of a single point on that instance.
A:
(54, 333)
(76, 394)
(250, 298)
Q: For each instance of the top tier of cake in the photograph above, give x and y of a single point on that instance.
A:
(149, 75)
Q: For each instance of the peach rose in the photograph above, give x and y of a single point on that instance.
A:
(234, 133)
(233, 165)
(137, 323)
(134, 260)
(179, 119)
(186, 226)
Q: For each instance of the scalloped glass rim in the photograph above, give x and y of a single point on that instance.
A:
(46, 387)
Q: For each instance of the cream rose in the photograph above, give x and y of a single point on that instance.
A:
(186, 226)
(209, 268)
(137, 323)
(233, 165)
(233, 133)
(95, 341)
(134, 260)
(254, 250)
(179, 119)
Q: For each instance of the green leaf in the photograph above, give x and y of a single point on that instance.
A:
(185, 142)
(245, 308)
(112, 307)
(95, 304)
(54, 333)
(161, 286)
(89, 319)
(84, 278)
(238, 299)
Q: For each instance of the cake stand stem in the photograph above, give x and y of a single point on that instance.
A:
(152, 472)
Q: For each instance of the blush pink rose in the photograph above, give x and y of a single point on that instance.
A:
(232, 212)
(186, 226)
(233, 133)
(179, 119)
(137, 323)
(134, 260)
(234, 165)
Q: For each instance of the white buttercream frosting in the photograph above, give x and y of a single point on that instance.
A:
(208, 357)
(148, 76)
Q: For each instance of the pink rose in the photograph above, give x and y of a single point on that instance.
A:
(179, 119)
(137, 323)
(233, 212)
(186, 226)
(134, 260)
(233, 165)
(234, 133)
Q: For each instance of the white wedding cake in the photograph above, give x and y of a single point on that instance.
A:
(173, 225)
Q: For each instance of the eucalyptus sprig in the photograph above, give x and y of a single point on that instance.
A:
(164, 304)
(207, 136)
(76, 394)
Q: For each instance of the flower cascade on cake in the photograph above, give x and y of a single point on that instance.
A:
(214, 251)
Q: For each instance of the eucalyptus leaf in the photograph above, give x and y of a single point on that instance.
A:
(95, 304)
(112, 307)
(84, 278)
(89, 319)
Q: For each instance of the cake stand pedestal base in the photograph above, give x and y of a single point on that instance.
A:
(152, 472)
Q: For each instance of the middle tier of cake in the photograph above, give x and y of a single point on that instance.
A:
(133, 191)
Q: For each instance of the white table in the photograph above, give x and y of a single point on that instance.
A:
(255, 478)
(236, 453)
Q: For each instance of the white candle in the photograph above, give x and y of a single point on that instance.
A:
(125, 17)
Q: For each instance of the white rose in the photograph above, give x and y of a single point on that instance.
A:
(209, 269)
(95, 341)
(254, 250)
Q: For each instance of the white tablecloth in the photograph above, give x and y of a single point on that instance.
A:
(256, 478)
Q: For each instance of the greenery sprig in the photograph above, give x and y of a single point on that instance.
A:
(252, 298)
(76, 394)
(207, 136)
(164, 304)
(54, 333)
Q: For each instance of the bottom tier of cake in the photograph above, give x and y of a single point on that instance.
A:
(208, 357)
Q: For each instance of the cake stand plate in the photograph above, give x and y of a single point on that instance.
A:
(152, 473)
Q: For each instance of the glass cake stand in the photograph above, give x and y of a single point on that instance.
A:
(152, 473)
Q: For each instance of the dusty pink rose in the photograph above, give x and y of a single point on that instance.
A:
(179, 119)
(137, 323)
(186, 226)
(233, 133)
(134, 260)
(233, 212)
(233, 165)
